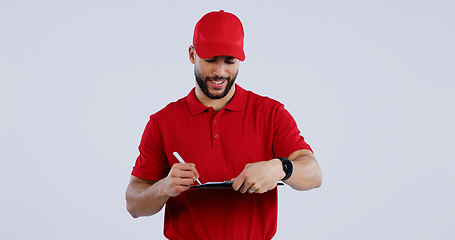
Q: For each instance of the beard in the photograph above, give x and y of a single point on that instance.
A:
(205, 89)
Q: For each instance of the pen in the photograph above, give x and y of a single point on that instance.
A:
(181, 161)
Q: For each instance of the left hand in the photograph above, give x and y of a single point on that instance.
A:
(259, 177)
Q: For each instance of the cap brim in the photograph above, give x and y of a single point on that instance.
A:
(219, 49)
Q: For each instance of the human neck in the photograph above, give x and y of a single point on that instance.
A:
(217, 104)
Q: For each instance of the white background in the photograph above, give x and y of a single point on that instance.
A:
(370, 84)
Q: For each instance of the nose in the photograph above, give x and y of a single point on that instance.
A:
(219, 69)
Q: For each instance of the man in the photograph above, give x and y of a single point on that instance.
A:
(223, 132)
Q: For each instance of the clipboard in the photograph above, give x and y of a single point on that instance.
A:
(220, 185)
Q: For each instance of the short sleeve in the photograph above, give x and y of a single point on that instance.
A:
(152, 163)
(286, 135)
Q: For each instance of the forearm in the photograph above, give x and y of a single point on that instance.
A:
(143, 199)
(306, 174)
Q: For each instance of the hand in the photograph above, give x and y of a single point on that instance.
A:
(259, 177)
(180, 178)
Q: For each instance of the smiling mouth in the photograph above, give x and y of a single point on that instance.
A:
(217, 81)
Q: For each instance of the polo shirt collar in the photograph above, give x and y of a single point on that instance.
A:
(237, 103)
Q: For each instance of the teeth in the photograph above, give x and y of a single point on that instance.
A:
(217, 82)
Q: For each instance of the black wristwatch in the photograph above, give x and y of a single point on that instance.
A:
(287, 168)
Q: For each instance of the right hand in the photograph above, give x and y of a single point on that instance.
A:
(180, 178)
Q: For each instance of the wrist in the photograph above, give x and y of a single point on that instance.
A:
(279, 166)
(287, 168)
(164, 187)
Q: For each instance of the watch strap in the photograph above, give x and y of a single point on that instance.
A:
(287, 168)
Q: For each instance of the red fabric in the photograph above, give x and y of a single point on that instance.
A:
(219, 34)
(249, 129)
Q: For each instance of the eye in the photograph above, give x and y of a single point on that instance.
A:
(210, 60)
(230, 60)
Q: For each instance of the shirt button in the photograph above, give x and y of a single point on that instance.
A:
(215, 121)
(217, 136)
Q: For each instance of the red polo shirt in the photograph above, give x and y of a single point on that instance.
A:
(250, 128)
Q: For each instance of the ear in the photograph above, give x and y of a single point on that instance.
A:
(192, 54)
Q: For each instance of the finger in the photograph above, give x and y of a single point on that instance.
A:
(184, 166)
(245, 186)
(254, 189)
(187, 167)
(177, 185)
(238, 182)
(181, 188)
(183, 173)
(196, 173)
(177, 189)
(187, 175)
(183, 182)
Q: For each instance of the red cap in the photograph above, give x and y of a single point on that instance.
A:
(219, 34)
